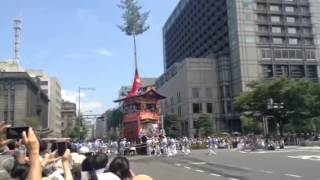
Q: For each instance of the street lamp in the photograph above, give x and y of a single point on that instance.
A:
(79, 107)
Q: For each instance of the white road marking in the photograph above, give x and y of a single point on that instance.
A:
(233, 179)
(293, 175)
(187, 167)
(198, 163)
(310, 157)
(213, 174)
(177, 164)
(268, 172)
(198, 170)
(247, 168)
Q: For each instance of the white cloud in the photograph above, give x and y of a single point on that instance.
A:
(71, 96)
(87, 106)
(104, 52)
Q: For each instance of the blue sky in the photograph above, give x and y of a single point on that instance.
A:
(78, 42)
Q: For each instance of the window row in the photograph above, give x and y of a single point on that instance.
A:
(292, 71)
(288, 54)
(278, 19)
(282, 40)
(196, 92)
(285, 8)
(197, 108)
(282, 29)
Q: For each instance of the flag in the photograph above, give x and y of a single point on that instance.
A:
(136, 85)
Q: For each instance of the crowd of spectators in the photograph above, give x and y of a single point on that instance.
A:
(34, 159)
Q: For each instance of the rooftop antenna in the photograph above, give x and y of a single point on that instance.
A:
(17, 34)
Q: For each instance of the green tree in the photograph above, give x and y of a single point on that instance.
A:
(114, 118)
(172, 125)
(293, 102)
(250, 125)
(79, 133)
(134, 22)
(205, 125)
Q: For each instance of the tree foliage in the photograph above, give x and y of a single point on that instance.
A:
(134, 21)
(79, 133)
(114, 118)
(250, 125)
(294, 102)
(205, 125)
(172, 125)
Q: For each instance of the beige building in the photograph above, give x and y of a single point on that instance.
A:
(68, 117)
(21, 98)
(191, 88)
(10, 66)
(101, 127)
(51, 86)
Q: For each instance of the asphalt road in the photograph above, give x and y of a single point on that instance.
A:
(288, 164)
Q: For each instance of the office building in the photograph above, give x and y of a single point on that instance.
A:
(100, 126)
(21, 98)
(52, 88)
(68, 117)
(248, 39)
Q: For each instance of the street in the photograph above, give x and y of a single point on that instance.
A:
(291, 163)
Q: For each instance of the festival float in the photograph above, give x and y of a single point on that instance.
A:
(141, 109)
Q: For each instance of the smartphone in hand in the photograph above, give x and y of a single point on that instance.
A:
(16, 132)
(61, 148)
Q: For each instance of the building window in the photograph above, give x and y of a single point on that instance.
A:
(306, 30)
(209, 108)
(274, 8)
(262, 18)
(195, 92)
(289, 9)
(308, 41)
(282, 70)
(310, 54)
(304, 10)
(43, 83)
(275, 18)
(292, 30)
(227, 91)
(293, 41)
(261, 7)
(229, 108)
(297, 71)
(265, 53)
(305, 20)
(277, 53)
(196, 108)
(263, 28)
(276, 29)
(171, 101)
(178, 97)
(209, 92)
(312, 71)
(264, 39)
(277, 40)
(179, 111)
(267, 71)
(291, 19)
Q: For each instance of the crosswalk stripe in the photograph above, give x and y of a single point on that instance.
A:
(213, 174)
